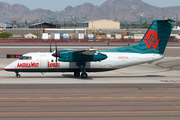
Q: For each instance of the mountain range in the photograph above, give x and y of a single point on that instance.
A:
(120, 10)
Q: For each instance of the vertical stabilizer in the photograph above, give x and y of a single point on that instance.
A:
(154, 41)
(156, 38)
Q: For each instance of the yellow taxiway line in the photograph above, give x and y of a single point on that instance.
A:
(170, 68)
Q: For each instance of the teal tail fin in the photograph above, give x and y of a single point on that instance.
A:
(154, 41)
(156, 38)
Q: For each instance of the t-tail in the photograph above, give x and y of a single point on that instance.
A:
(154, 41)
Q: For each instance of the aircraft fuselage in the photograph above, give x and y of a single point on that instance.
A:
(45, 62)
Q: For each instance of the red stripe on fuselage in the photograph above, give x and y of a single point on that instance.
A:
(59, 69)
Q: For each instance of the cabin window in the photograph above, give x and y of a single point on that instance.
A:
(25, 58)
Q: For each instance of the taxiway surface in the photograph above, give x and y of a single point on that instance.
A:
(90, 101)
(135, 93)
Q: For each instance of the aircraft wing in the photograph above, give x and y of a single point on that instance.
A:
(81, 55)
(86, 52)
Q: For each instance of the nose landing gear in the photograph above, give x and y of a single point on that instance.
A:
(18, 75)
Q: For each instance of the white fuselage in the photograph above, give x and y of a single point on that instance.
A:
(45, 62)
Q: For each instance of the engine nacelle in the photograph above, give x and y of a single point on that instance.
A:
(71, 57)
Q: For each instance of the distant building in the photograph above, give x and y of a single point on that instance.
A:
(4, 25)
(100, 24)
(30, 36)
(24, 31)
(42, 25)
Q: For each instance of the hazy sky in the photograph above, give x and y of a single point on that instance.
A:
(58, 5)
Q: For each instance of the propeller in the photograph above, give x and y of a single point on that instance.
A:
(56, 54)
(50, 47)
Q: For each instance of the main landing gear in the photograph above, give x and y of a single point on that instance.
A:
(76, 74)
(18, 75)
(83, 74)
(82, 68)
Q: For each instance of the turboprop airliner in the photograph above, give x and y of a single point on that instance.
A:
(150, 49)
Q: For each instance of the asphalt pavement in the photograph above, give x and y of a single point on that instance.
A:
(142, 92)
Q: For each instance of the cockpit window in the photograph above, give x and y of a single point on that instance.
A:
(25, 58)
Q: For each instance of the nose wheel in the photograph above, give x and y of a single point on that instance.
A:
(18, 75)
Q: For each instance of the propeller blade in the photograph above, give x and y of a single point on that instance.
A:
(50, 47)
(56, 47)
(56, 53)
(56, 59)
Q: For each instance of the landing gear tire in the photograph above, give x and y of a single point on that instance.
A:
(18, 75)
(76, 74)
(84, 75)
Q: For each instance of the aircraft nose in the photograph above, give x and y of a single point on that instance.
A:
(7, 68)
(10, 67)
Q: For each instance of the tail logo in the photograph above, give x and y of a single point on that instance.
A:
(151, 39)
